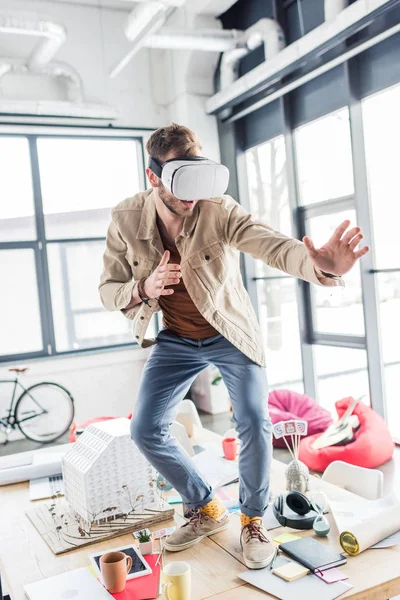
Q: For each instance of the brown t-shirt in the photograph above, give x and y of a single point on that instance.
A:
(179, 311)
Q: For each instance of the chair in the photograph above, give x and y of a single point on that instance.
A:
(367, 483)
(188, 416)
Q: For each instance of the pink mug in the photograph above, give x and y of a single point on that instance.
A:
(229, 446)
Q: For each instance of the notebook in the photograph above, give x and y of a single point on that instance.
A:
(312, 554)
(78, 584)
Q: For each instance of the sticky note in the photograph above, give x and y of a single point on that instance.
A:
(291, 571)
(331, 575)
(285, 537)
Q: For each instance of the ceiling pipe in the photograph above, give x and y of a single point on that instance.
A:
(142, 22)
(53, 34)
(207, 40)
(65, 73)
(267, 32)
(333, 7)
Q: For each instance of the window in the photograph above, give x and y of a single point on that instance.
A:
(81, 179)
(324, 158)
(19, 303)
(276, 292)
(337, 310)
(279, 321)
(17, 221)
(381, 134)
(59, 191)
(341, 372)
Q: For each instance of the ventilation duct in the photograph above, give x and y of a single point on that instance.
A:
(53, 34)
(144, 20)
(65, 73)
(211, 40)
(333, 7)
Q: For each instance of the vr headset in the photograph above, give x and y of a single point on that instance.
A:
(294, 510)
(191, 177)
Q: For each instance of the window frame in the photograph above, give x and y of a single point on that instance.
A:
(358, 201)
(41, 243)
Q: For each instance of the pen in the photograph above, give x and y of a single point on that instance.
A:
(273, 559)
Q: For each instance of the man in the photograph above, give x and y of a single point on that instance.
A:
(182, 258)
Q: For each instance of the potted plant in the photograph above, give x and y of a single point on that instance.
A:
(145, 543)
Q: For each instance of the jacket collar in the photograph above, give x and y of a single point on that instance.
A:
(147, 225)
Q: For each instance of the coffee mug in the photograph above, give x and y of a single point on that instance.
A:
(229, 446)
(176, 581)
(114, 568)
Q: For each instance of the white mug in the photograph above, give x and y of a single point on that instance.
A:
(176, 581)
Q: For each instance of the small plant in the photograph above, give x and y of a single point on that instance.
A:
(144, 537)
(217, 377)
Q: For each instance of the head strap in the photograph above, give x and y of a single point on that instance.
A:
(156, 165)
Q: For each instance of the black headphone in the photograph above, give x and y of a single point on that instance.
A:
(304, 513)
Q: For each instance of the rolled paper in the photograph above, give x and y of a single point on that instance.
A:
(371, 531)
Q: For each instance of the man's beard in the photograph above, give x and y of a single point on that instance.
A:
(176, 206)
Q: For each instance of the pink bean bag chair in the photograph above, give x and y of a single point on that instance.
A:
(373, 444)
(285, 405)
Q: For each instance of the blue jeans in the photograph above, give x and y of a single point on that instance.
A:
(170, 370)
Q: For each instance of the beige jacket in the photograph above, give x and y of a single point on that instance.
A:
(209, 246)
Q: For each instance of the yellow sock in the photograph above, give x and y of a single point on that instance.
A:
(245, 520)
(214, 509)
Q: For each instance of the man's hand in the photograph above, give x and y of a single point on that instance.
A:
(339, 254)
(165, 274)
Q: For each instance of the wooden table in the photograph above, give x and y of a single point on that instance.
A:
(215, 562)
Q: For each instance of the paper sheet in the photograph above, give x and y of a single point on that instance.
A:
(214, 467)
(309, 586)
(348, 514)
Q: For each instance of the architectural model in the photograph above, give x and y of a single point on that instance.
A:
(106, 476)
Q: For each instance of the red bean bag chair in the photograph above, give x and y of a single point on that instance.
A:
(285, 405)
(373, 444)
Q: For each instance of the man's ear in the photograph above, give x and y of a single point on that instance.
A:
(155, 181)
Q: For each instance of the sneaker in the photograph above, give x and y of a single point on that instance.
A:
(196, 529)
(258, 549)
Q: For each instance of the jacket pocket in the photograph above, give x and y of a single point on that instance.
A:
(209, 265)
(140, 266)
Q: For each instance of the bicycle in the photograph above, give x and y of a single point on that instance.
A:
(43, 412)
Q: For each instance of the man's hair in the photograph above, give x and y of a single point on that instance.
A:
(178, 138)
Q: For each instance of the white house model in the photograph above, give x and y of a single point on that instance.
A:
(105, 475)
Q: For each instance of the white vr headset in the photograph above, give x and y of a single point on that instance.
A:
(192, 177)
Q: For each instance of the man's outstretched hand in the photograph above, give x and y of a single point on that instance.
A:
(339, 254)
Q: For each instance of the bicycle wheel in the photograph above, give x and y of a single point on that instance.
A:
(44, 412)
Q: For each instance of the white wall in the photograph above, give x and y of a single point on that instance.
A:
(101, 383)
(95, 42)
(155, 88)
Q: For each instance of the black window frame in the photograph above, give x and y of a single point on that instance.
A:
(40, 245)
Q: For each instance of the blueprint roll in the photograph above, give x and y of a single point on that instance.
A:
(371, 531)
